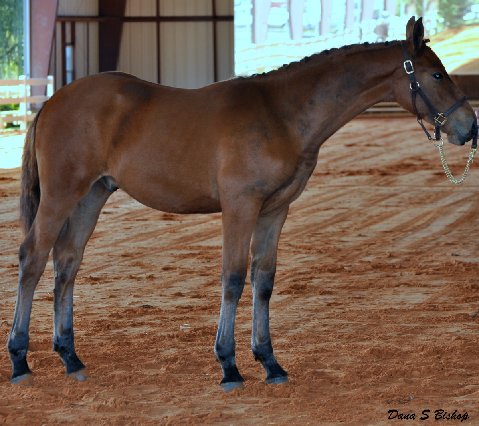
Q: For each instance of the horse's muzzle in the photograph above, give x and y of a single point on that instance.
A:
(459, 138)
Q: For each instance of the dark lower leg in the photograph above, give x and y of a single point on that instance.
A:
(31, 267)
(225, 343)
(64, 346)
(63, 336)
(260, 339)
(264, 249)
(17, 348)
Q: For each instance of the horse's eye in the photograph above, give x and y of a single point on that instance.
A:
(437, 75)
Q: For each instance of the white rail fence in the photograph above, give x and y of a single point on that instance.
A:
(19, 92)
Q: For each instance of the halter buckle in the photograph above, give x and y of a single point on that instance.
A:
(440, 119)
(414, 86)
(408, 66)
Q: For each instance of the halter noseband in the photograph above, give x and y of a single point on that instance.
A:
(439, 118)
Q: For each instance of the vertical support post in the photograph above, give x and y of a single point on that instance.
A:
(261, 10)
(158, 42)
(63, 53)
(349, 18)
(110, 33)
(23, 126)
(42, 26)
(215, 41)
(390, 7)
(26, 37)
(87, 48)
(367, 10)
(326, 11)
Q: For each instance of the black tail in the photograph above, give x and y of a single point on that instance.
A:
(30, 191)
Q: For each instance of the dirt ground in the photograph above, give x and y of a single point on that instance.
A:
(375, 307)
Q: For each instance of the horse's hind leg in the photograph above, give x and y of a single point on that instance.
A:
(263, 267)
(67, 256)
(33, 256)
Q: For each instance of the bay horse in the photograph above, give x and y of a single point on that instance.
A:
(245, 147)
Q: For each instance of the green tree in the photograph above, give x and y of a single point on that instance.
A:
(453, 11)
(419, 6)
(11, 38)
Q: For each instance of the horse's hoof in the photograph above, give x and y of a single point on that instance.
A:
(277, 380)
(24, 380)
(229, 386)
(79, 376)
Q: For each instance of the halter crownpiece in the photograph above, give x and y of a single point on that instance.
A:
(439, 119)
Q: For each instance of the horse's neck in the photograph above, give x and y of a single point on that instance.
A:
(319, 97)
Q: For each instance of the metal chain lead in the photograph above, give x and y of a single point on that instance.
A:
(445, 166)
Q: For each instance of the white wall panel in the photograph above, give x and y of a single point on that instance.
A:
(78, 7)
(225, 40)
(224, 7)
(185, 7)
(186, 54)
(138, 53)
(138, 49)
(140, 8)
(225, 47)
(81, 50)
(94, 55)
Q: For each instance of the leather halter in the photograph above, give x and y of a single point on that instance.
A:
(439, 118)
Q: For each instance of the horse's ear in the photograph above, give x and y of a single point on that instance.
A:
(410, 27)
(415, 34)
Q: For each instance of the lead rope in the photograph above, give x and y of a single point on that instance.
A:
(445, 166)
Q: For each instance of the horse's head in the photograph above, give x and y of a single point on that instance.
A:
(424, 88)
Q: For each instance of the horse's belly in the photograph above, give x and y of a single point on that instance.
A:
(168, 177)
(178, 199)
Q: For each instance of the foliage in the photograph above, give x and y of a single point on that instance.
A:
(453, 11)
(11, 38)
(10, 107)
(419, 6)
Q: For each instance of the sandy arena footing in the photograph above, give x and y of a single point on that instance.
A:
(375, 308)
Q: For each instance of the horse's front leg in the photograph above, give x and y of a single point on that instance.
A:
(238, 225)
(264, 249)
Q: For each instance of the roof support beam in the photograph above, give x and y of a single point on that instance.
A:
(110, 33)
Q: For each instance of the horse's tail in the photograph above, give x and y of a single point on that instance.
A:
(30, 190)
